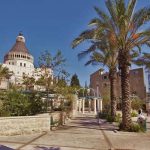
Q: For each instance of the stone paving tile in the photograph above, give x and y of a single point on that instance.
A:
(19, 138)
(80, 134)
(128, 140)
(75, 137)
(32, 147)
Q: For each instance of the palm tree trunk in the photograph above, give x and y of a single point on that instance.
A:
(113, 94)
(125, 90)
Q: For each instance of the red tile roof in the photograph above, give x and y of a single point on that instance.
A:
(19, 47)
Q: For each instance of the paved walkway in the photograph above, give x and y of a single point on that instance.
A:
(82, 133)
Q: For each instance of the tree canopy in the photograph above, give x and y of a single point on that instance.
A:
(75, 81)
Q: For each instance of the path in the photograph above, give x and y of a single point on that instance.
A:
(82, 133)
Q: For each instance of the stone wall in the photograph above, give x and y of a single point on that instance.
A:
(24, 124)
(58, 118)
(101, 82)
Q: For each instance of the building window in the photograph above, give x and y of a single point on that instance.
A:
(9, 63)
(24, 64)
(20, 64)
(12, 63)
(105, 77)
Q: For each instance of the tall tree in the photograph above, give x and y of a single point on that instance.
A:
(103, 52)
(125, 26)
(75, 81)
(5, 73)
(28, 82)
(54, 63)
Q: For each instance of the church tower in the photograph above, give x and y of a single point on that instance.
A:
(19, 60)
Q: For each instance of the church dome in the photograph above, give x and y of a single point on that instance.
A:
(19, 51)
(20, 46)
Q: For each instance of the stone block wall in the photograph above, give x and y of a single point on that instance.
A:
(24, 124)
(59, 118)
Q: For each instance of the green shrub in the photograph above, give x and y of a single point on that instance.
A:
(134, 128)
(134, 114)
(17, 103)
(118, 118)
(110, 118)
(136, 103)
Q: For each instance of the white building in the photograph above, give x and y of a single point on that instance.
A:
(21, 62)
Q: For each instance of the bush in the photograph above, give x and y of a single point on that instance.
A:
(136, 103)
(134, 128)
(134, 114)
(16, 103)
(118, 118)
(106, 116)
(110, 118)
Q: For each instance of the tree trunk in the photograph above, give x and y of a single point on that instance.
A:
(125, 90)
(113, 94)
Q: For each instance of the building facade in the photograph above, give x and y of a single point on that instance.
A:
(100, 83)
(20, 62)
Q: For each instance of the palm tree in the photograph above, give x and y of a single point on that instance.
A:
(124, 25)
(107, 56)
(103, 52)
(4, 73)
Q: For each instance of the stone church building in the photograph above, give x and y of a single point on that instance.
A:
(20, 62)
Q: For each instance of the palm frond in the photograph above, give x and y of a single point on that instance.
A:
(143, 60)
(101, 14)
(111, 6)
(86, 35)
(95, 59)
(86, 52)
(141, 17)
(130, 8)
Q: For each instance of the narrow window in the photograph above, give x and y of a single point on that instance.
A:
(24, 64)
(104, 77)
(20, 64)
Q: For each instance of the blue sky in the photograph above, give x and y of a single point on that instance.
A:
(50, 25)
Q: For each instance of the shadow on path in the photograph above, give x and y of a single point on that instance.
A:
(2, 147)
(47, 148)
(91, 123)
